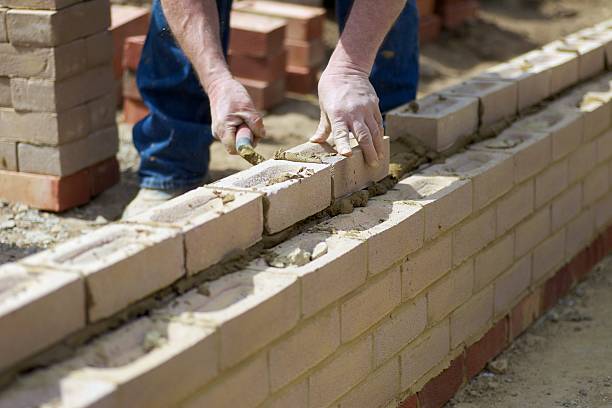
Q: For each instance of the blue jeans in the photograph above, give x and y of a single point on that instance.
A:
(174, 139)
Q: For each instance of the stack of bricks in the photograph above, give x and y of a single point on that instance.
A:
(134, 108)
(303, 40)
(429, 22)
(257, 57)
(455, 12)
(58, 136)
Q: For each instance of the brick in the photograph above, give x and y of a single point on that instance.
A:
(349, 174)
(548, 256)
(492, 261)
(8, 156)
(564, 68)
(515, 207)
(52, 28)
(468, 320)
(295, 396)
(603, 212)
(50, 193)
(441, 122)
(582, 161)
(129, 87)
(257, 36)
(39, 4)
(379, 388)
(102, 112)
(305, 53)
(442, 388)
(551, 183)
(126, 21)
(142, 259)
(498, 100)
(533, 83)
(474, 235)
(44, 127)
(134, 111)
(370, 305)
(425, 7)
(281, 209)
(99, 48)
(492, 174)
(42, 95)
(532, 231)
(399, 329)
(410, 402)
(524, 314)
(203, 213)
(455, 14)
(267, 69)
(393, 230)
(245, 387)
(30, 303)
(595, 108)
(419, 358)
(103, 175)
(601, 36)
(326, 279)
(591, 55)
(450, 292)
(265, 95)
(303, 23)
(5, 93)
(301, 80)
(132, 51)
(429, 28)
(596, 185)
(579, 234)
(312, 342)
(485, 349)
(566, 207)
(531, 151)
(426, 266)
(3, 33)
(339, 375)
(511, 285)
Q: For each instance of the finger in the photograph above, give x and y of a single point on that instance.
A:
(377, 136)
(364, 138)
(254, 121)
(341, 138)
(323, 130)
(229, 139)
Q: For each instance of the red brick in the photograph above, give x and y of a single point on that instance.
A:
(133, 111)
(578, 266)
(442, 388)
(426, 7)
(410, 402)
(485, 349)
(265, 95)
(301, 80)
(429, 28)
(257, 36)
(267, 69)
(524, 314)
(308, 54)
(103, 176)
(557, 287)
(132, 50)
(454, 14)
(130, 87)
(126, 21)
(608, 239)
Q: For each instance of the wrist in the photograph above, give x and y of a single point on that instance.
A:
(340, 63)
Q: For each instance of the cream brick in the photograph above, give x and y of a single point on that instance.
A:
(591, 58)
(39, 4)
(511, 285)
(548, 256)
(551, 183)
(102, 112)
(379, 388)
(326, 279)
(492, 174)
(441, 122)
(566, 207)
(450, 292)
(603, 212)
(604, 147)
(235, 220)
(43, 127)
(99, 48)
(3, 33)
(474, 235)
(515, 207)
(595, 107)
(426, 266)
(370, 305)
(564, 67)
(294, 396)
(472, 317)
(349, 174)
(8, 156)
(582, 161)
(596, 185)
(5, 93)
(312, 342)
(424, 355)
(120, 264)
(579, 233)
(400, 328)
(498, 100)
(282, 209)
(339, 375)
(53, 28)
(531, 151)
(494, 260)
(532, 231)
(30, 303)
(245, 387)
(392, 230)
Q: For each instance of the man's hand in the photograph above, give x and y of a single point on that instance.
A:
(230, 107)
(349, 104)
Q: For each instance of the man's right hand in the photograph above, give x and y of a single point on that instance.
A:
(231, 106)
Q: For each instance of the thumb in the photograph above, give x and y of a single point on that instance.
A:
(244, 137)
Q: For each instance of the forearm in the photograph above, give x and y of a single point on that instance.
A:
(195, 26)
(368, 24)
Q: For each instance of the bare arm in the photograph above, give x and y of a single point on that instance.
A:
(348, 100)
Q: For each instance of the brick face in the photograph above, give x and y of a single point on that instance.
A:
(532, 231)
(510, 285)
(474, 235)
(550, 183)
(442, 388)
(450, 292)
(515, 206)
(472, 317)
(426, 266)
(494, 260)
(485, 349)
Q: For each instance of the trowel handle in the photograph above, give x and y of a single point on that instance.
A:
(244, 137)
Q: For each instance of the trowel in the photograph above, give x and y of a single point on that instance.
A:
(244, 145)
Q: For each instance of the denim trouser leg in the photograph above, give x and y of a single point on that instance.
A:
(174, 139)
(395, 74)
